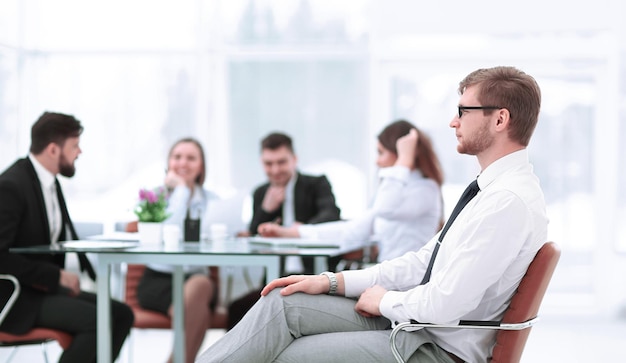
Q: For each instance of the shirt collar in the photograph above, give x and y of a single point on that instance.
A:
(499, 166)
(46, 178)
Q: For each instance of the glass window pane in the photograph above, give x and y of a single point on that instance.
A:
(10, 16)
(295, 22)
(132, 109)
(12, 134)
(621, 192)
(111, 24)
(321, 104)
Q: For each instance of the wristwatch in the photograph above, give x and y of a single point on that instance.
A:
(333, 282)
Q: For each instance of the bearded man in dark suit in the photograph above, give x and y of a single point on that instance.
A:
(33, 212)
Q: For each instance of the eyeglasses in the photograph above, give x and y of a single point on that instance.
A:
(463, 108)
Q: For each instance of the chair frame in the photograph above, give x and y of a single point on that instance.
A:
(16, 292)
(490, 325)
(543, 271)
(34, 336)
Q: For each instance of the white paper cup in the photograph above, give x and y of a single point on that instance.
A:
(171, 235)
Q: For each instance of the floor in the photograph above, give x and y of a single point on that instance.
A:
(556, 338)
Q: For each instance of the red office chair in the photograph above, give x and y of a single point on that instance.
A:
(34, 336)
(519, 317)
(148, 319)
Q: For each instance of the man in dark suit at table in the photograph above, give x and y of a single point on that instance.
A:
(288, 197)
(33, 212)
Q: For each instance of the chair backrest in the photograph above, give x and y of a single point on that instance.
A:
(146, 319)
(525, 304)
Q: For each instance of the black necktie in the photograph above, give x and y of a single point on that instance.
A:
(469, 193)
(83, 261)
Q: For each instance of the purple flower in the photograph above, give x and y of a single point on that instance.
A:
(152, 205)
(152, 197)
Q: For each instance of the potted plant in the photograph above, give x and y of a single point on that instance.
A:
(151, 212)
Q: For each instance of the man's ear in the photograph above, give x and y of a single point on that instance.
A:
(52, 149)
(503, 118)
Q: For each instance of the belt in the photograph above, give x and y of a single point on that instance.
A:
(454, 357)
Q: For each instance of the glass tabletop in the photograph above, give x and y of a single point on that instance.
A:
(234, 246)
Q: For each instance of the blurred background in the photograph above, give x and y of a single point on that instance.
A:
(140, 74)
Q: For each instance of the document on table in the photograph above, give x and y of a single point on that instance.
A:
(116, 236)
(293, 242)
(98, 245)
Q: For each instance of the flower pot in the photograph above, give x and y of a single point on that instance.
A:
(150, 233)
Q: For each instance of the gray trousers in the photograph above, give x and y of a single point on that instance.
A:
(316, 328)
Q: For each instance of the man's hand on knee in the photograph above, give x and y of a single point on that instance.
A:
(308, 284)
(369, 301)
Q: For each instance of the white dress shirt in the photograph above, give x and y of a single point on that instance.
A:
(50, 197)
(405, 214)
(480, 263)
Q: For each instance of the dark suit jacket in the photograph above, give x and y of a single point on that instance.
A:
(23, 223)
(314, 202)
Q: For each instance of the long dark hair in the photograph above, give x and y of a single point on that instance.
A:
(425, 158)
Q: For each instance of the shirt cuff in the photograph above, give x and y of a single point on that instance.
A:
(307, 231)
(356, 281)
(398, 172)
(389, 301)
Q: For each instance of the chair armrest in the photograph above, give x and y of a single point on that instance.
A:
(463, 324)
(16, 291)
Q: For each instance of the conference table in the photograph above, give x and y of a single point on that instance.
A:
(227, 252)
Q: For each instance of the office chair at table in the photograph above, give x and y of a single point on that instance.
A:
(39, 336)
(518, 318)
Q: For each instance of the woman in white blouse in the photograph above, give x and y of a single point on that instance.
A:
(407, 209)
(185, 177)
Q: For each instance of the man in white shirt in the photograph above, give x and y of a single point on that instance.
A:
(478, 266)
